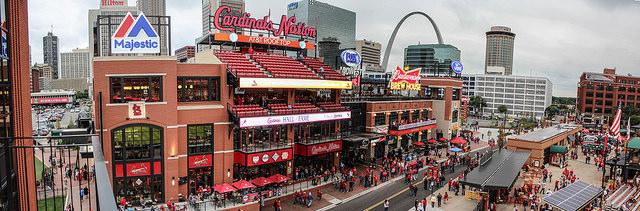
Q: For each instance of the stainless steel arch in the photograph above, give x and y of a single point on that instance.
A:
(387, 50)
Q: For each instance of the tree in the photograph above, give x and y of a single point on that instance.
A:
(477, 103)
(551, 111)
(501, 135)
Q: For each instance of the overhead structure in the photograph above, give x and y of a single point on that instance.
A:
(387, 50)
(573, 197)
(501, 171)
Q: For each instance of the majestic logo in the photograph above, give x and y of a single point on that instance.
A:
(129, 39)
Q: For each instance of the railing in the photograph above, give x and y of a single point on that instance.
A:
(66, 175)
(319, 139)
(412, 125)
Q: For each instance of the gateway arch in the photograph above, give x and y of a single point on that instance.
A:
(387, 51)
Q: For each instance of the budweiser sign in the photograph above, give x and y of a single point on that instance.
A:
(224, 20)
(405, 79)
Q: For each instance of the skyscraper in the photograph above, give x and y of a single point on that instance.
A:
(329, 20)
(75, 64)
(499, 51)
(370, 52)
(99, 44)
(434, 59)
(210, 6)
(152, 7)
(50, 51)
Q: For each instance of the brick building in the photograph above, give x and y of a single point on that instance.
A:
(600, 93)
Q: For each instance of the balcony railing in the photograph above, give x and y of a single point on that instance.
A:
(65, 171)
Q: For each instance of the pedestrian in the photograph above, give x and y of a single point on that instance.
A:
(446, 197)
(439, 199)
(415, 204)
(386, 205)
(433, 201)
(81, 194)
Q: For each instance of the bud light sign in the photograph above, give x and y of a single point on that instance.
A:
(351, 58)
(456, 66)
(129, 39)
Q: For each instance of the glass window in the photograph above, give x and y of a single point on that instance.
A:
(200, 139)
(380, 119)
(393, 117)
(194, 89)
(135, 142)
(125, 89)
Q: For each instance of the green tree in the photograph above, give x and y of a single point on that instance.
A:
(551, 111)
(477, 103)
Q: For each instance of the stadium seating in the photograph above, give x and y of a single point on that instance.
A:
(281, 66)
(249, 110)
(240, 65)
(327, 72)
(332, 106)
(298, 108)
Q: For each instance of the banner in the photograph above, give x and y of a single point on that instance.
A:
(263, 40)
(292, 119)
(285, 83)
(261, 158)
(51, 100)
(405, 79)
(197, 161)
(318, 149)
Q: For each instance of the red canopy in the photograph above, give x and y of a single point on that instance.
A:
(420, 144)
(242, 184)
(223, 188)
(443, 139)
(432, 141)
(261, 181)
(277, 178)
(458, 140)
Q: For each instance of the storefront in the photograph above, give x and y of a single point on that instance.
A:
(316, 157)
(200, 145)
(411, 133)
(248, 166)
(137, 152)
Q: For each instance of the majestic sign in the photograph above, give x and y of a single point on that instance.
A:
(456, 66)
(292, 119)
(318, 149)
(288, 26)
(128, 38)
(233, 37)
(286, 83)
(197, 161)
(351, 58)
(137, 110)
(405, 79)
(261, 158)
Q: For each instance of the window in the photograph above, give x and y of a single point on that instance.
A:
(194, 89)
(200, 139)
(137, 142)
(380, 119)
(415, 115)
(405, 117)
(454, 116)
(393, 117)
(125, 89)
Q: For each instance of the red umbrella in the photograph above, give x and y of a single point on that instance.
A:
(261, 181)
(223, 188)
(458, 140)
(432, 141)
(277, 178)
(585, 130)
(242, 184)
(420, 144)
(443, 139)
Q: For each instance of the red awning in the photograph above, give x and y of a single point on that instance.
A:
(261, 181)
(277, 178)
(432, 141)
(420, 144)
(223, 188)
(458, 140)
(412, 130)
(443, 139)
(242, 184)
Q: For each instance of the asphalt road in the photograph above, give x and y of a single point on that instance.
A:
(398, 194)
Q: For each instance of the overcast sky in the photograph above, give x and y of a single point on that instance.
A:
(556, 39)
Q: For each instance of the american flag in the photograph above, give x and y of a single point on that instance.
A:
(615, 125)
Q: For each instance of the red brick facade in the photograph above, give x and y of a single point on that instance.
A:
(601, 93)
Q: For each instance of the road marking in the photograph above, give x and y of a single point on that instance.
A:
(391, 197)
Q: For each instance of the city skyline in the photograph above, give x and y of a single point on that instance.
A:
(558, 55)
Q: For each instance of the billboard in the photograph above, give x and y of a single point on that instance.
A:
(224, 20)
(350, 58)
(135, 36)
(405, 79)
(293, 83)
(292, 119)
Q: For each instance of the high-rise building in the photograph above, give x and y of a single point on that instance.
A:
(46, 75)
(35, 80)
(75, 64)
(499, 51)
(329, 21)
(186, 52)
(100, 44)
(50, 51)
(152, 7)
(329, 49)
(370, 52)
(210, 6)
(434, 59)
(18, 189)
(522, 95)
(601, 93)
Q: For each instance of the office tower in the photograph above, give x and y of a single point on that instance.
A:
(75, 64)
(370, 53)
(499, 51)
(152, 7)
(329, 20)
(209, 7)
(434, 59)
(50, 51)
(329, 49)
(46, 75)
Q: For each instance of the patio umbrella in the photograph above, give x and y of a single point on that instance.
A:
(242, 184)
(432, 141)
(443, 139)
(278, 178)
(420, 144)
(585, 130)
(458, 140)
(261, 181)
(223, 188)
(455, 149)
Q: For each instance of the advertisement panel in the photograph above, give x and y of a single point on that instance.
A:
(263, 40)
(318, 149)
(261, 158)
(138, 169)
(292, 119)
(52, 100)
(350, 58)
(293, 83)
(135, 36)
(405, 79)
(197, 161)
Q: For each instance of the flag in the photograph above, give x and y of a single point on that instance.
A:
(629, 129)
(615, 125)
